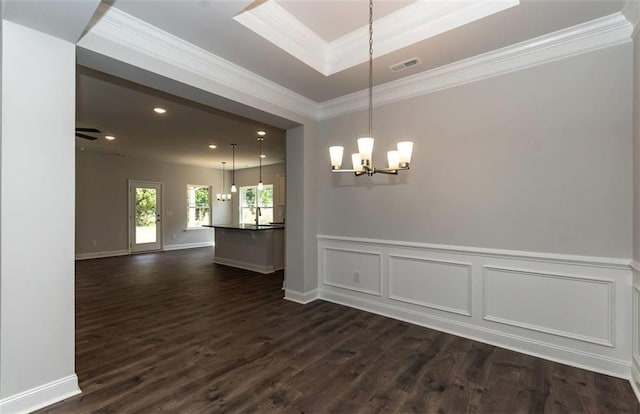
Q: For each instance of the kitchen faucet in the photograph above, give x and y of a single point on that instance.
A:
(258, 214)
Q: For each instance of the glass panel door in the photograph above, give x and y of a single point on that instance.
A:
(145, 216)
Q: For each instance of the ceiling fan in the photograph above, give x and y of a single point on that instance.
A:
(79, 133)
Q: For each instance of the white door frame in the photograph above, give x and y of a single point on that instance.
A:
(130, 213)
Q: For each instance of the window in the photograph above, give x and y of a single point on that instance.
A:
(199, 205)
(248, 198)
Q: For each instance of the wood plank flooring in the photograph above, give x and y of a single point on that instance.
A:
(173, 332)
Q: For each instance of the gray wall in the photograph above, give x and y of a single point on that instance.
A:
(101, 200)
(301, 257)
(535, 160)
(250, 176)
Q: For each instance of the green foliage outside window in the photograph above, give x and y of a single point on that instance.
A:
(202, 203)
(145, 206)
(266, 196)
(250, 197)
(199, 205)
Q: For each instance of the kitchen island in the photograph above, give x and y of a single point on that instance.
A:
(247, 246)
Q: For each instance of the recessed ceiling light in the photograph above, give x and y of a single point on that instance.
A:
(213, 146)
(263, 156)
(159, 110)
(262, 133)
(109, 137)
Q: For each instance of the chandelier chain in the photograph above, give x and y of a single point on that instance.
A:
(371, 68)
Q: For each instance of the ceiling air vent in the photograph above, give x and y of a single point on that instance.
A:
(399, 67)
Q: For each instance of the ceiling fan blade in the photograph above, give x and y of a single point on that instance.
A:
(89, 137)
(87, 130)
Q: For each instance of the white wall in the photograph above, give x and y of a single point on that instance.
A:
(249, 176)
(536, 160)
(635, 371)
(101, 200)
(37, 219)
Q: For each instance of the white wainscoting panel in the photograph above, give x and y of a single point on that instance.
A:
(567, 308)
(545, 302)
(436, 284)
(353, 269)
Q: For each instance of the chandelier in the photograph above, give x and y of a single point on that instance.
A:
(260, 184)
(362, 161)
(234, 189)
(223, 196)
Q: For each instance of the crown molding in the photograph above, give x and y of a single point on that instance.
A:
(123, 29)
(131, 32)
(631, 11)
(279, 27)
(411, 24)
(586, 37)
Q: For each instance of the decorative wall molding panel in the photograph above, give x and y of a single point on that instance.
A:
(514, 297)
(96, 255)
(356, 270)
(567, 308)
(42, 396)
(436, 284)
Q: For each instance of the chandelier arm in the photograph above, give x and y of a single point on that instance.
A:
(389, 172)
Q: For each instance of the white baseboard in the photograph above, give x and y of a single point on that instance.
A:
(568, 356)
(299, 297)
(96, 255)
(244, 265)
(635, 380)
(187, 246)
(42, 396)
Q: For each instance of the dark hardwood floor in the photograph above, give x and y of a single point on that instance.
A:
(174, 332)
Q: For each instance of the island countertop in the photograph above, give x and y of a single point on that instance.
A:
(250, 227)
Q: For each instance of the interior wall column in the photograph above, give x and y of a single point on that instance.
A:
(37, 219)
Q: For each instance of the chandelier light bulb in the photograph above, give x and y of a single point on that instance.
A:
(393, 159)
(365, 148)
(405, 148)
(356, 161)
(336, 156)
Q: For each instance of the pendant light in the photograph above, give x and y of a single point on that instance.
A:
(260, 184)
(362, 161)
(234, 189)
(223, 196)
